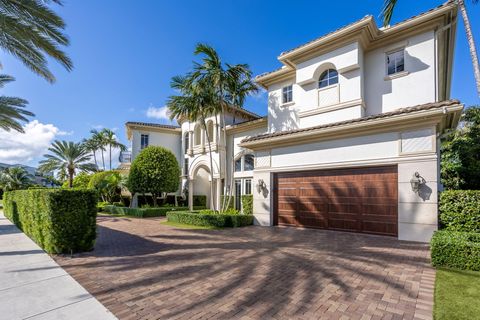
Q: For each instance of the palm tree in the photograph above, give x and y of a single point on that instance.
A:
(91, 146)
(389, 7)
(231, 85)
(194, 103)
(31, 32)
(11, 109)
(67, 158)
(15, 178)
(111, 140)
(98, 139)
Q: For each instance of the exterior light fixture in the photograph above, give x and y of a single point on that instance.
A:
(416, 182)
(261, 185)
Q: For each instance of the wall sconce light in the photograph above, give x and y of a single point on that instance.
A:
(261, 185)
(416, 182)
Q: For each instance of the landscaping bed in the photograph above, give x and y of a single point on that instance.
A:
(143, 212)
(198, 218)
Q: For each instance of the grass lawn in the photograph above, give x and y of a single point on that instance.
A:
(457, 295)
(186, 226)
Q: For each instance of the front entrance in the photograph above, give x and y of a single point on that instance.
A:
(356, 199)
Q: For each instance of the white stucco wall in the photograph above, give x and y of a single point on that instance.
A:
(171, 141)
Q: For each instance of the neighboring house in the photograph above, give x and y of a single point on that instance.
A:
(352, 116)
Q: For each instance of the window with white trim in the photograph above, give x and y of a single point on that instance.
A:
(395, 62)
(185, 167)
(143, 141)
(287, 94)
(327, 78)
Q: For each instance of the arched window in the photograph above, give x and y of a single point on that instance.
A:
(328, 78)
(248, 162)
(210, 130)
(197, 135)
(186, 142)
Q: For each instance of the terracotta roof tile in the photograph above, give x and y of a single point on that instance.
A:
(422, 107)
(156, 125)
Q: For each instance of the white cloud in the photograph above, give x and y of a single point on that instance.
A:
(158, 113)
(16, 147)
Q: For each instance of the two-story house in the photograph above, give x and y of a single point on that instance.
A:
(351, 139)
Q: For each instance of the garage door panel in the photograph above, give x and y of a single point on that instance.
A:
(359, 199)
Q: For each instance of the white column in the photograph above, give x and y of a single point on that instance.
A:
(190, 195)
(190, 140)
(219, 194)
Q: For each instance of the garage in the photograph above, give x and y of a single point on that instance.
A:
(356, 199)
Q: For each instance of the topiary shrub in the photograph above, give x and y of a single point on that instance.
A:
(210, 220)
(247, 204)
(460, 210)
(58, 220)
(155, 170)
(460, 250)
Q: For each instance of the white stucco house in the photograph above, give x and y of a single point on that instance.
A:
(351, 117)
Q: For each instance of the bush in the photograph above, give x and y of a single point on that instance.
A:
(101, 206)
(232, 201)
(58, 220)
(229, 211)
(460, 210)
(81, 181)
(199, 201)
(144, 212)
(155, 170)
(247, 204)
(210, 220)
(460, 250)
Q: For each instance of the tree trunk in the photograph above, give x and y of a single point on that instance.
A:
(212, 202)
(103, 160)
(471, 44)
(110, 156)
(224, 130)
(95, 158)
(70, 177)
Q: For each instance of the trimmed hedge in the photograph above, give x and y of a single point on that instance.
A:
(144, 212)
(247, 204)
(58, 220)
(460, 250)
(199, 201)
(460, 210)
(210, 220)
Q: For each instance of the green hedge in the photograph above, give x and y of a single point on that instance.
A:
(199, 201)
(210, 220)
(58, 220)
(460, 250)
(460, 210)
(144, 212)
(247, 204)
(232, 201)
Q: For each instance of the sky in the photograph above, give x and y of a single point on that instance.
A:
(126, 52)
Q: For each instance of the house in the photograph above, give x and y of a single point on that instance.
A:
(351, 137)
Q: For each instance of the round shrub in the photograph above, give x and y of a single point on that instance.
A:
(155, 170)
(80, 181)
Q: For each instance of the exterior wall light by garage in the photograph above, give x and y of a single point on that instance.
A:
(261, 185)
(416, 181)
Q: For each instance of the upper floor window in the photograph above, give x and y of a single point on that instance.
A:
(197, 135)
(327, 78)
(395, 62)
(186, 142)
(238, 165)
(210, 131)
(143, 141)
(287, 94)
(245, 163)
(185, 166)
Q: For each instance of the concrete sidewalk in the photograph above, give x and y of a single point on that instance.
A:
(33, 286)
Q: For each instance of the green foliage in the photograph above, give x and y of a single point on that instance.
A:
(58, 220)
(12, 110)
(108, 184)
(460, 153)
(142, 212)
(199, 201)
(210, 220)
(460, 210)
(101, 206)
(231, 205)
(80, 181)
(15, 178)
(155, 170)
(247, 204)
(460, 250)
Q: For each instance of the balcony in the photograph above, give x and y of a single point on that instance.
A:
(125, 157)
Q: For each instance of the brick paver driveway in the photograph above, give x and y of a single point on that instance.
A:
(141, 269)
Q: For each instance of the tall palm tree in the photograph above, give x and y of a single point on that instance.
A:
(231, 85)
(91, 146)
(111, 140)
(68, 158)
(98, 139)
(15, 178)
(31, 32)
(12, 109)
(194, 103)
(389, 7)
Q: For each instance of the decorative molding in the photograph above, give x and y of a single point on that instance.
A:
(343, 105)
(396, 75)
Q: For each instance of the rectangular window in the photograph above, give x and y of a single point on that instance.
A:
(248, 162)
(143, 141)
(238, 165)
(185, 167)
(395, 62)
(238, 194)
(248, 186)
(287, 94)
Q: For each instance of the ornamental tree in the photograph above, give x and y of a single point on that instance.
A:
(155, 170)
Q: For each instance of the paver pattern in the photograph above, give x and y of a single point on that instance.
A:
(141, 269)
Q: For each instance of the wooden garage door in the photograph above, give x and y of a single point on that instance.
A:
(357, 199)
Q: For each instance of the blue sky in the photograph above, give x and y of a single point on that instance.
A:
(125, 53)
